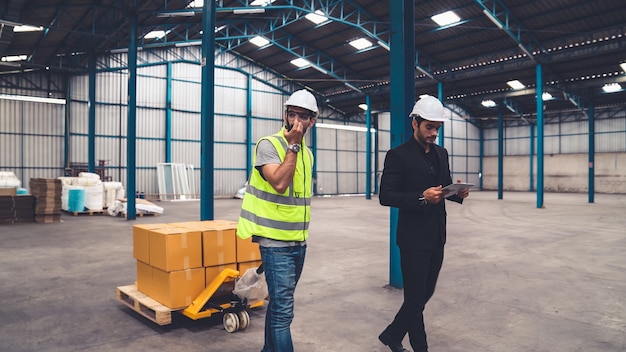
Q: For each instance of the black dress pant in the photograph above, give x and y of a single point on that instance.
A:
(420, 269)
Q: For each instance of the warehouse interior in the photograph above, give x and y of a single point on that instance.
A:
(165, 100)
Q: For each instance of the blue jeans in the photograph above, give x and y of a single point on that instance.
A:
(283, 266)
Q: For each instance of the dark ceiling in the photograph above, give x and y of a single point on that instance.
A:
(579, 44)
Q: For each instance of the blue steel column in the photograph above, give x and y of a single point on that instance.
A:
(249, 141)
(532, 156)
(440, 97)
(481, 155)
(592, 152)
(402, 88)
(314, 151)
(500, 153)
(539, 93)
(91, 139)
(207, 112)
(131, 137)
(368, 149)
(168, 114)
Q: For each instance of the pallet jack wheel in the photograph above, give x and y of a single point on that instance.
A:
(244, 319)
(231, 322)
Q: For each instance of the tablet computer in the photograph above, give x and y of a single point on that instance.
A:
(454, 188)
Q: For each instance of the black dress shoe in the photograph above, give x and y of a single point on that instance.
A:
(394, 346)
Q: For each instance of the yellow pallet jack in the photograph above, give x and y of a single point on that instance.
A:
(217, 297)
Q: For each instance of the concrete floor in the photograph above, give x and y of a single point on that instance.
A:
(515, 279)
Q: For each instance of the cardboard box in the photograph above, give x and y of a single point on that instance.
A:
(144, 278)
(141, 241)
(8, 191)
(219, 246)
(211, 272)
(174, 249)
(247, 251)
(177, 289)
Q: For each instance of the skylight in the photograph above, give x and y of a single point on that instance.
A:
(515, 84)
(300, 62)
(446, 18)
(546, 96)
(259, 41)
(317, 17)
(27, 28)
(156, 34)
(363, 107)
(488, 103)
(196, 3)
(611, 87)
(261, 2)
(361, 44)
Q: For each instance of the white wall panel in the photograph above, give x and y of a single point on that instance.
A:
(150, 123)
(186, 126)
(326, 161)
(346, 161)
(326, 182)
(79, 118)
(11, 148)
(326, 138)
(347, 140)
(230, 129)
(111, 120)
(151, 91)
(111, 88)
(268, 102)
(610, 142)
(574, 143)
(150, 152)
(185, 153)
(611, 125)
(187, 96)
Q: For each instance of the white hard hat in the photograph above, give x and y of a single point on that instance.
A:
(303, 99)
(429, 108)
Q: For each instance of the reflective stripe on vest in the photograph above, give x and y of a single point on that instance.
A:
(267, 213)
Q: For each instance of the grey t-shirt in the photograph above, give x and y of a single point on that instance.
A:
(267, 154)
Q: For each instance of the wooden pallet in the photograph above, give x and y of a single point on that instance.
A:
(86, 212)
(144, 305)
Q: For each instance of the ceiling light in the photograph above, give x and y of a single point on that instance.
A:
(300, 62)
(13, 58)
(546, 96)
(261, 2)
(623, 66)
(259, 41)
(27, 28)
(176, 14)
(515, 84)
(611, 87)
(244, 11)
(493, 18)
(361, 44)
(488, 103)
(446, 18)
(383, 45)
(317, 17)
(363, 107)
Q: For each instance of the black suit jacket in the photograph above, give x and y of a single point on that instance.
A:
(405, 177)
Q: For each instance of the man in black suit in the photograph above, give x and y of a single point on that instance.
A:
(412, 181)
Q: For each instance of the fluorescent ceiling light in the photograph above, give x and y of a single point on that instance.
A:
(192, 43)
(363, 107)
(343, 127)
(13, 58)
(317, 17)
(515, 84)
(383, 45)
(300, 62)
(546, 96)
(493, 19)
(446, 18)
(27, 28)
(488, 103)
(361, 44)
(155, 35)
(259, 41)
(261, 2)
(176, 14)
(623, 66)
(244, 11)
(611, 87)
(33, 99)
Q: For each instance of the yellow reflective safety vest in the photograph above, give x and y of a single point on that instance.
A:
(280, 216)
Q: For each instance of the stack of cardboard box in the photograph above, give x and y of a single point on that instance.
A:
(47, 193)
(176, 261)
